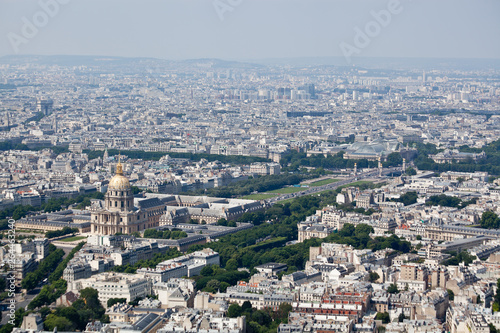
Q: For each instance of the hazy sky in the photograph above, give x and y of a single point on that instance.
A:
(251, 29)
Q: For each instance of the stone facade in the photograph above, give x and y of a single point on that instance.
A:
(119, 214)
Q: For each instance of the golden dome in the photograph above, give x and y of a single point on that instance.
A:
(119, 181)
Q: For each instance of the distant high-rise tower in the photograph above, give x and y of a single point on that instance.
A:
(309, 88)
(54, 124)
(423, 77)
(404, 164)
(355, 169)
(44, 106)
(379, 167)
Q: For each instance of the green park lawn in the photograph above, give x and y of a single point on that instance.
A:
(358, 183)
(72, 239)
(323, 182)
(259, 196)
(287, 190)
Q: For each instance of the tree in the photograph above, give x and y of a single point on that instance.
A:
(46, 266)
(393, 289)
(256, 218)
(213, 286)
(19, 315)
(44, 312)
(496, 304)
(384, 316)
(363, 230)
(253, 327)
(283, 310)
(91, 297)
(62, 324)
(497, 295)
(451, 294)
(261, 317)
(410, 171)
(408, 198)
(444, 200)
(489, 220)
(234, 310)
(393, 159)
(462, 257)
(7, 328)
(207, 271)
(30, 281)
(135, 190)
(222, 221)
(232, 265)
(62, 232)
(401, 317)
(223, 286)
(347, 230)
(136, 301)
(71, 314)
(373, 277)
(113, 301)
(246, 306)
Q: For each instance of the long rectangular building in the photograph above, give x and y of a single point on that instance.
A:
(116, 285)
(450, 232)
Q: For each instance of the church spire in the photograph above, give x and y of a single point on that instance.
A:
(119, 167)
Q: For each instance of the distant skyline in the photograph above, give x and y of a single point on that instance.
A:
(252, 29)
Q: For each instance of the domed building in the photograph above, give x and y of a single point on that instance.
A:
(372, 151)
(118, 215)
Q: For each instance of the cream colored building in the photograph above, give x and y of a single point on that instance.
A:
(119, 215)
(116, 285)
(308, 230)
(477, 324)
(413, 277)
(32, 322)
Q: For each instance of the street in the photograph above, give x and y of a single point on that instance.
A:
(21, 302)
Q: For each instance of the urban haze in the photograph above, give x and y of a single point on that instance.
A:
(233, 166)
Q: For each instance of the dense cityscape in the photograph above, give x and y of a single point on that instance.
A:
(232, 166)
(213, 196)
